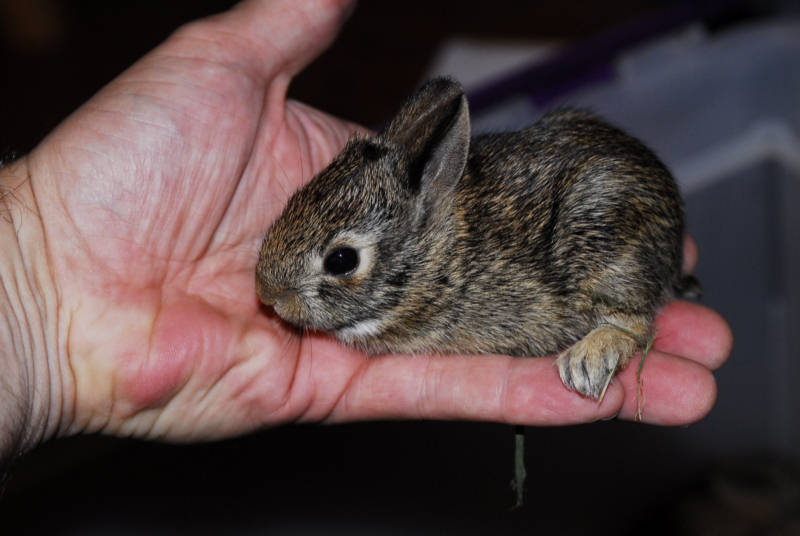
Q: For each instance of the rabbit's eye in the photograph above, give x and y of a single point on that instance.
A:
(341, 261)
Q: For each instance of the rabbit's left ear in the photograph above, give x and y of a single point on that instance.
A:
(433, 127)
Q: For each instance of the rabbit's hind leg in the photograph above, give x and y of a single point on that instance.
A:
(589, 365)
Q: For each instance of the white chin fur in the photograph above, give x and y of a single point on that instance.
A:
(366, 328)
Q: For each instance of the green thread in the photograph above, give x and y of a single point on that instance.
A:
(647, 343)
(520, 474)
(639, 382)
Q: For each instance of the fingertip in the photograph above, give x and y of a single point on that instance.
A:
(274, 36)
(692, 399)
(711, 392)
(719, 338)
(693, 331)
(674, 391)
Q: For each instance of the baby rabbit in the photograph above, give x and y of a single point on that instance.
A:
(563, 237)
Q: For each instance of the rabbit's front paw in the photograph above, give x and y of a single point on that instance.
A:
(588, 365)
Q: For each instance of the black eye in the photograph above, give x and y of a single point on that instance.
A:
(341, 261)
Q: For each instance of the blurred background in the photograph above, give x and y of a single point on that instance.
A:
(713, 87)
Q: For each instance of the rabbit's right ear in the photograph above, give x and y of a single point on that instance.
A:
(433, 127)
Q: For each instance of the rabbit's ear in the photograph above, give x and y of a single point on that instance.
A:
(433, 127)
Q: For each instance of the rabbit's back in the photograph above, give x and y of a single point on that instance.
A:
(563, 215)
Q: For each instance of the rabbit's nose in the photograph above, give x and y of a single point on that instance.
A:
(268, 294)
(285, 301)
(267, 299)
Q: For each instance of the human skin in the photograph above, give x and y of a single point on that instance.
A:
(130, 236)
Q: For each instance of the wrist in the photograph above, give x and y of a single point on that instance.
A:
(31, 392)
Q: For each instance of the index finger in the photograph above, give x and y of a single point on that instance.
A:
(486, 388)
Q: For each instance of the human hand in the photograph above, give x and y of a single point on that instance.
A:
(143, 213)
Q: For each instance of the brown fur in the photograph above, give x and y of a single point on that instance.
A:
(526, 243)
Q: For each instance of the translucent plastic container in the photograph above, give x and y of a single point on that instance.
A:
(723, 112)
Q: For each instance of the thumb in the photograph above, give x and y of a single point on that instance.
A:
(285, 35)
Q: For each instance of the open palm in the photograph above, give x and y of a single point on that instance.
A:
(154, 197)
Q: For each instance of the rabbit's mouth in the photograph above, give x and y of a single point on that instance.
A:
(287, 304)
(290, 308)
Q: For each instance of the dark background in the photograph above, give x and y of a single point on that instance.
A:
(370, 478)
(57, 53)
